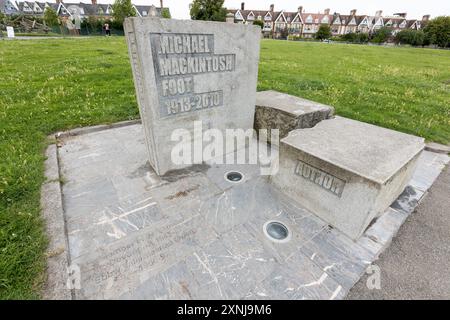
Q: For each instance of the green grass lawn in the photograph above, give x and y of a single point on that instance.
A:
(57, 84)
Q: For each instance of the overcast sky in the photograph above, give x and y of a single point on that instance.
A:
(415, 8)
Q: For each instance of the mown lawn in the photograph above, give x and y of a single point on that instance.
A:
(57, 84)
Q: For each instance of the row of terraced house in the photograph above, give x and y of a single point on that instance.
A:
(70, 10)
(303, 24)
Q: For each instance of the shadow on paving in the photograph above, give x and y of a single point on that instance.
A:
(416, 265)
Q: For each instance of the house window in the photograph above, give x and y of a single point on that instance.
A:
(295, 27)
(279, 26)
(144, 13)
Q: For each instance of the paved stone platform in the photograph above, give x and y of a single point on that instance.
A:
(128, 234)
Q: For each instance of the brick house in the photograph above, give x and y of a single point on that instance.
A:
(305, 24)
(69, 10)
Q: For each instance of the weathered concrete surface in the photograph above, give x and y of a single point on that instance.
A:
(194, 235)
(437, 147)
(416, 266)
(186, 71)
(345, 171)
(276, 110)
(57, 250)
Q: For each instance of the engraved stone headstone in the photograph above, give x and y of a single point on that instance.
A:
(186, 71)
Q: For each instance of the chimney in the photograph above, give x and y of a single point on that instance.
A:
(326, 11)
(401, 14)
(300, 9)
(426, 17)
(272, 8)
(94, 2)
(378, 13)
(161, 4)
(242, 6)
(152, 11)
(353, 12)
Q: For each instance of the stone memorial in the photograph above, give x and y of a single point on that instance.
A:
(186, 71)
(345, 171)
(276, 110)
(10, 32)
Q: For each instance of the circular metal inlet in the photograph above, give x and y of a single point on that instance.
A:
(234, 176)
(276, 231)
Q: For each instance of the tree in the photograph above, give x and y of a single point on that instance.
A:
(437, 31)
(211, 10)
(324, 32)
(349, 37)
(412, 37)
(121, 10)
(165, 13)
(362, 37)
(381, 35)
(259, 23)
(51, 17)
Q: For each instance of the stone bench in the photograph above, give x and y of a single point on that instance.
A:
(275, 110)
(345, 171)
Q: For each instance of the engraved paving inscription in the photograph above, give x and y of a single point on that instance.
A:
(177, 58)
(321, 178)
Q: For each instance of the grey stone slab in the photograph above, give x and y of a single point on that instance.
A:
(51, 164)
(113, 270)
(91, 129)
(148, 237)
(347, 172)
(177, 282)
(99, 228)
(276, 110)
(94, 223)
(371, 246)
(300, 279)
(234, 273)
(239, 204)
(437, 147)
(186, 71)
(339, 256)
(408, 200)
(386, 226)
(429, 167)
(57, 250)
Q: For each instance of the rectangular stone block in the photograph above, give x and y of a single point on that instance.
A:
(345, 171)
(276, 110)
(186, 71)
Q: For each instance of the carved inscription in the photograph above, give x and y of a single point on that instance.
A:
(321, 178)
(131, 260)
(177, 58)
